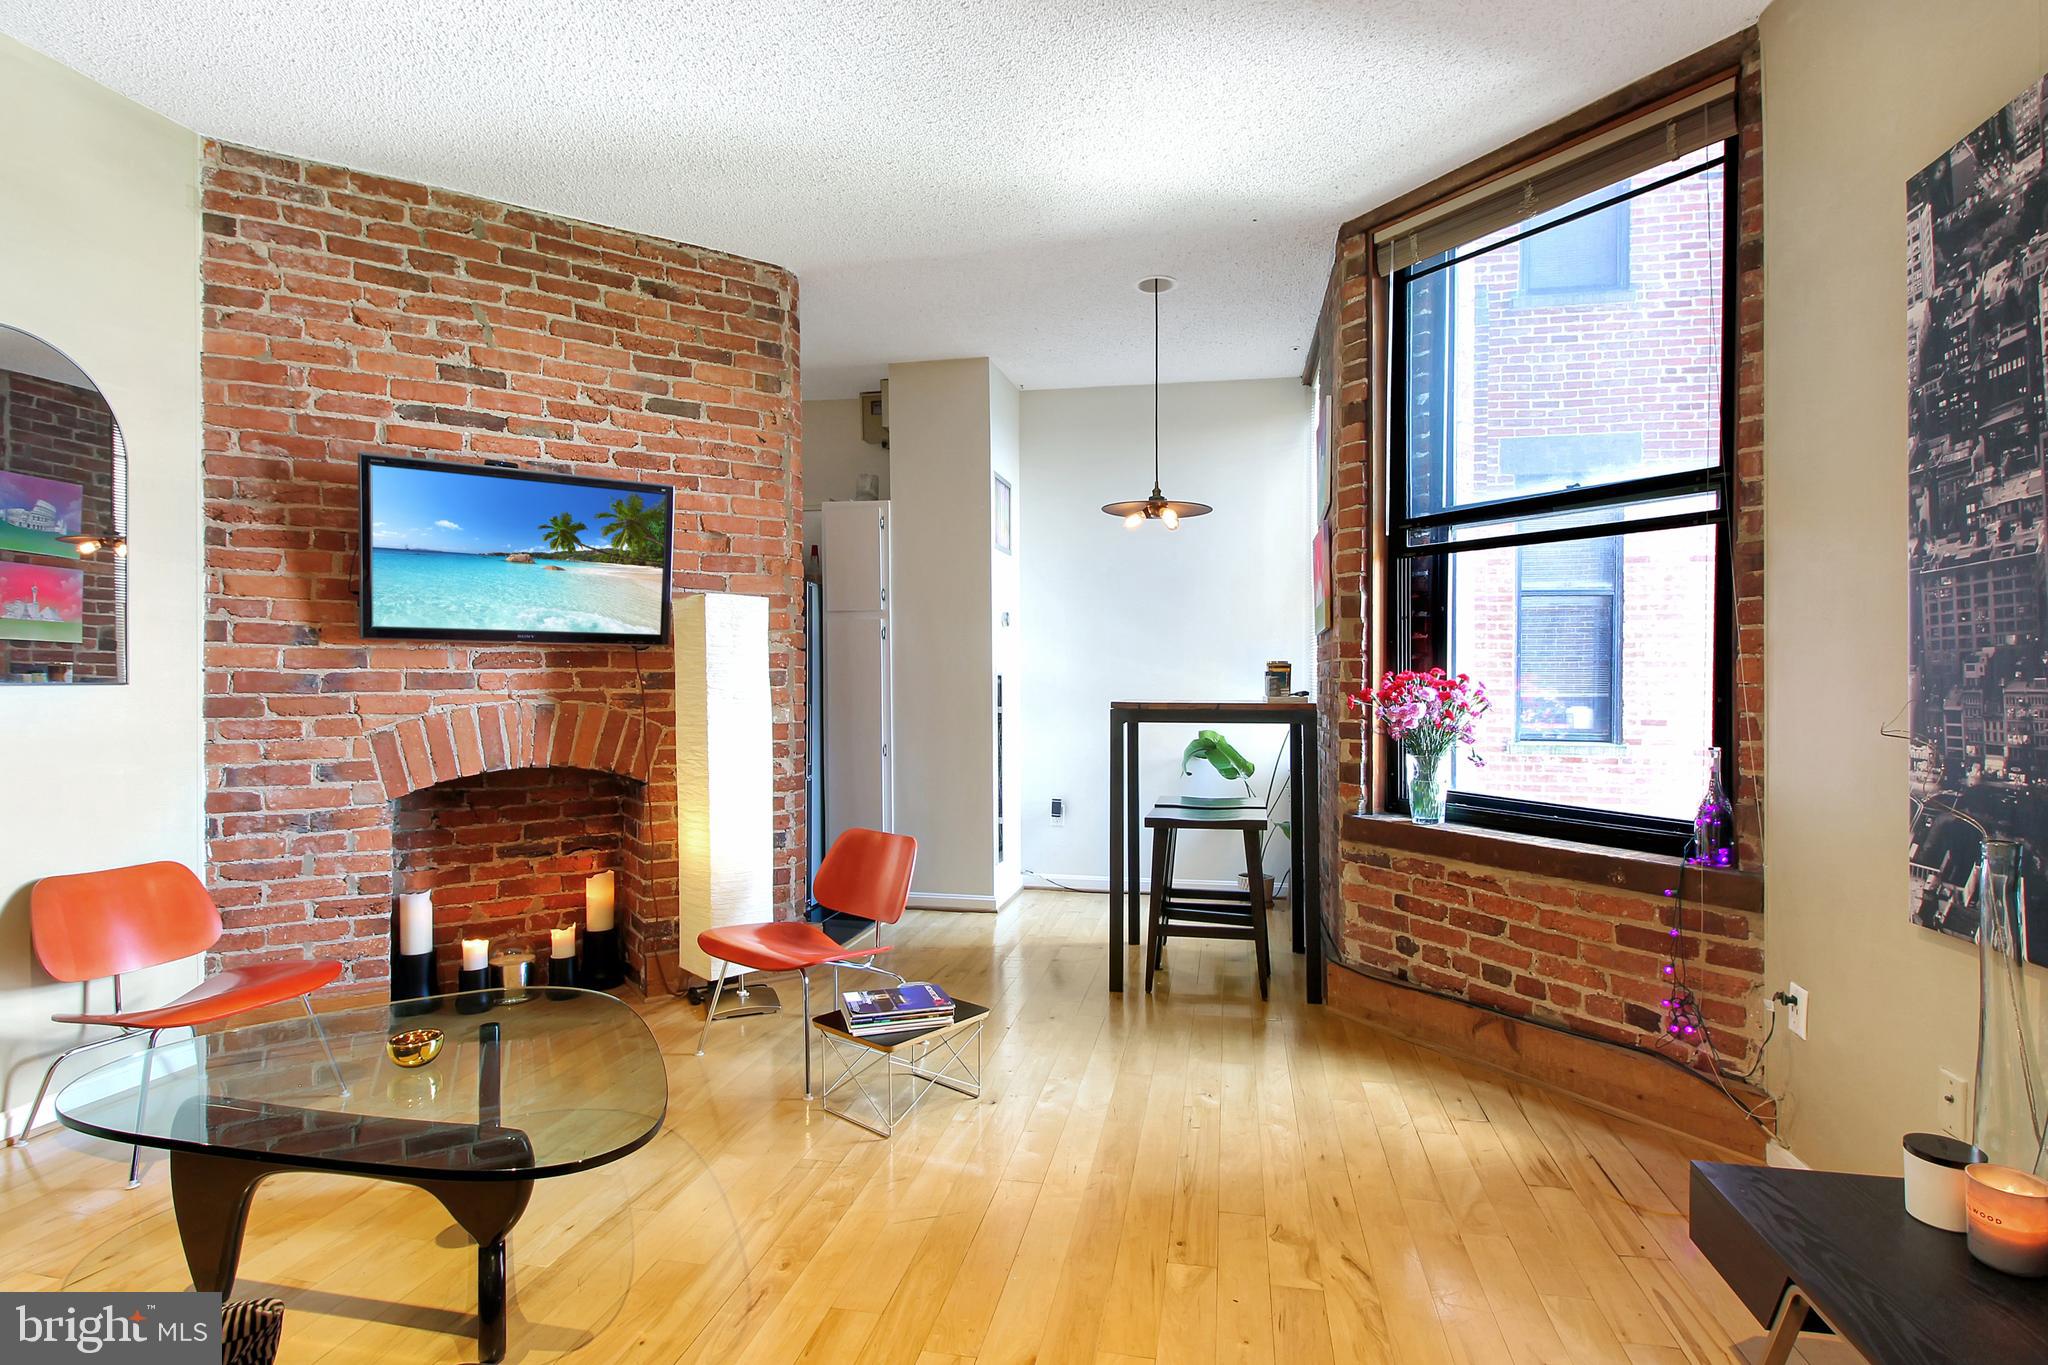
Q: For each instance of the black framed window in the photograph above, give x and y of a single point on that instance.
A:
(1568, 642)
(1561, 500)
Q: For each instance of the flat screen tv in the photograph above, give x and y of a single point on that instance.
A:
(474, 552)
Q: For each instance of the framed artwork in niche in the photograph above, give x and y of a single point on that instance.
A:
(1002, 505)
(1976, 235)
(63, 521)
(1319, 560)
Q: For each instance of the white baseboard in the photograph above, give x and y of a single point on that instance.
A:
(1060, 881)
(939, 900)
(1777, 1153)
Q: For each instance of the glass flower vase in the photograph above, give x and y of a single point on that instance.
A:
(1428, 783)
(2011, 1106)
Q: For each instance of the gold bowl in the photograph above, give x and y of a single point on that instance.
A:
(414, 1047)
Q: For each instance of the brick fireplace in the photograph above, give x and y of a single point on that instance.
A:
(347, 313)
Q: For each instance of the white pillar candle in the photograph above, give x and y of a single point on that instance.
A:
(562, 941)
(416, 923)
(476, 954)
(597, 901)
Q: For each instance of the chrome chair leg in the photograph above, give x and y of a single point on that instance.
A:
(804, 974)
(141, 1105)
(28, 1121)
(320, 1030)
(711, 1009)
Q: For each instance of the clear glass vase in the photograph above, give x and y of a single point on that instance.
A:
(2011, 1117)
(1428, 785)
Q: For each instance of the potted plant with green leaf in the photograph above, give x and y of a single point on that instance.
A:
(1230, 768)
(1225, 769)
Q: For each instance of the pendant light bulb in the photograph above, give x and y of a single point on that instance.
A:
(1134, 521)
(1171, 518)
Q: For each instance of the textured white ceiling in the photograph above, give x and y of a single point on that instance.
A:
(947, 179)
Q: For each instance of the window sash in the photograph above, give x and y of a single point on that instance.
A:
(1616, 829)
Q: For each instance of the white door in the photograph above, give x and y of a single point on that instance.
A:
(857, 765)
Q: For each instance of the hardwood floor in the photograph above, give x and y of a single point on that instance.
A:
(1191, 1177)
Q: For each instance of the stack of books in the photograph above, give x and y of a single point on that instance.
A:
(912, 1005)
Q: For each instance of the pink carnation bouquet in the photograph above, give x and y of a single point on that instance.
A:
(1425, 714)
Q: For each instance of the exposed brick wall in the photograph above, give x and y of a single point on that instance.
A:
(1584, 958)
(54, 430)
(346, 313)
(1581, 957)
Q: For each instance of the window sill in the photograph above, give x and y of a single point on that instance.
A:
(1619, 869)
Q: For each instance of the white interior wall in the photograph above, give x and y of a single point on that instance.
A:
(1008, 658)
(99, 256)
(1119, 614)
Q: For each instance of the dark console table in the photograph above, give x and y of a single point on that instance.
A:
(1820, 1250)
(1305, 876)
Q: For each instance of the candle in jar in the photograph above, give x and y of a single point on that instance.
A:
(562, 941)
(476, 954)
(597, 901)
(416, 923)
(2008, 1219)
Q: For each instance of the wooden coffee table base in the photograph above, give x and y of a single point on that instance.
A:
(211, 1195)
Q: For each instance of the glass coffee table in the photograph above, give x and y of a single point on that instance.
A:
(508, 1094)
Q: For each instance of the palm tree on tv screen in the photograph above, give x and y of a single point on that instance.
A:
(561, 532)
(634, 527)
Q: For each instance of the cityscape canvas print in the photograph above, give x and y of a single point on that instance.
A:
(38, 602)
(1976, 326)
(35, 511)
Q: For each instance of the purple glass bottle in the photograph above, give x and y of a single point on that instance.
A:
(1713, 827)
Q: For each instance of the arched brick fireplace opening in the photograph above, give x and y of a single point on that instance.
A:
(504, 810)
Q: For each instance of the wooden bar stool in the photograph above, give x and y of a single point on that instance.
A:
(1179, 912)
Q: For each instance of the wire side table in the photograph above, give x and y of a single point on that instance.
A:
(863, 1085)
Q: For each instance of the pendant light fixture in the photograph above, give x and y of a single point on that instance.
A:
(1158, 507)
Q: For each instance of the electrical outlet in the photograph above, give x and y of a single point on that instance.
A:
(1059, 810)
(1955, 1105)
(1795, 1009)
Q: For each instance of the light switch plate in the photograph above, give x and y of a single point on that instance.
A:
(1955, 1105)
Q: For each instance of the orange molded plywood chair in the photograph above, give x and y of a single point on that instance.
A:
(866, 874)
(93, 924)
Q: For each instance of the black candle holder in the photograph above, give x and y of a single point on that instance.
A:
(477, 995)
(413, 979)
(562, 978)
(603, 965)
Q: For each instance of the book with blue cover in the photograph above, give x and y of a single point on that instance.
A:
(914, 1004)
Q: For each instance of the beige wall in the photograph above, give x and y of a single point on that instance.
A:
(99, 255)
(834, 452)
(942, 622)
(1858, 95)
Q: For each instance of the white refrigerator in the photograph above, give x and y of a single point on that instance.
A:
(858, 785)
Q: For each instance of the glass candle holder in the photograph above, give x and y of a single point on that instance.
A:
(512, 973)
(2008, 1219)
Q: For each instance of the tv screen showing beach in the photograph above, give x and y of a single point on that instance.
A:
(469, 553)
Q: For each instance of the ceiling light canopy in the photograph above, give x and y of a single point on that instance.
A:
(1158, 507)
